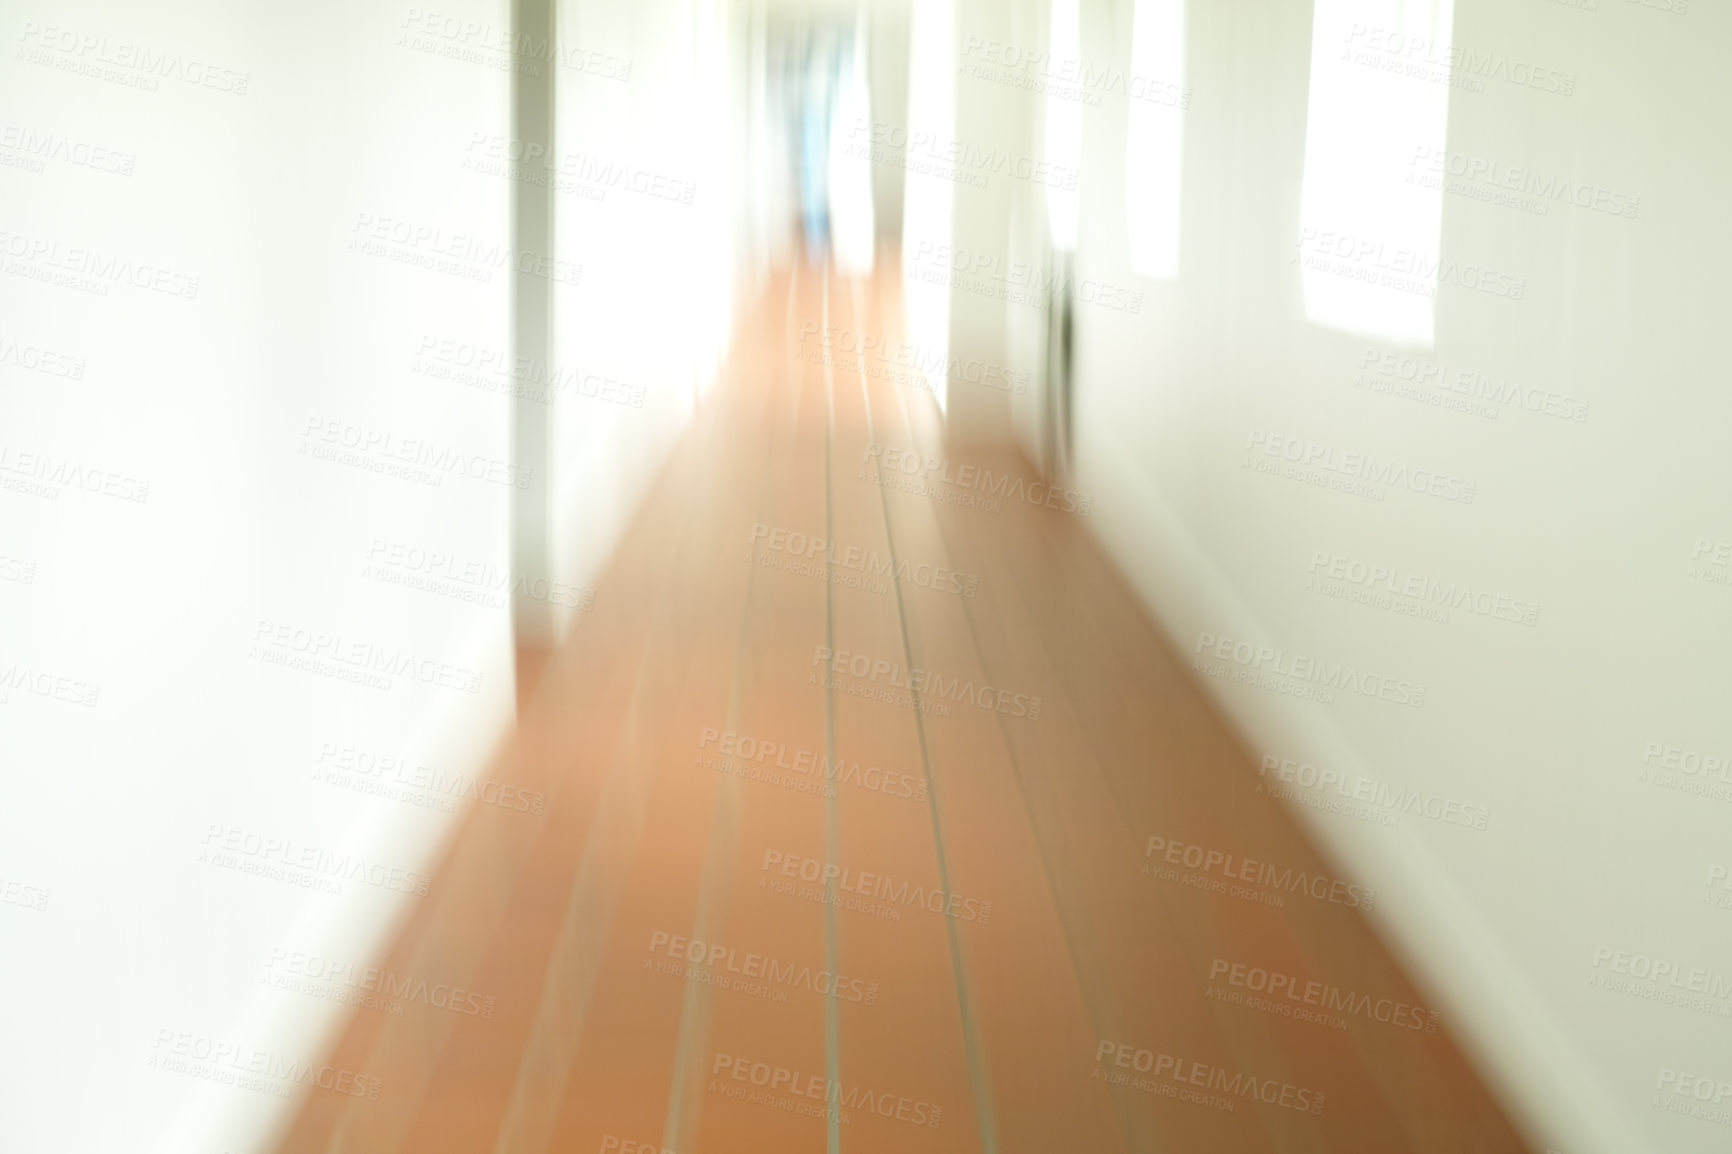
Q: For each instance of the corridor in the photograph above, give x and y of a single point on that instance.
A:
(878, 817)
(865, 577)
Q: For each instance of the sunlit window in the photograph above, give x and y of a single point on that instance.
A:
(1064, 121)
(1369, 236)
(1155, 136)
(927, 204)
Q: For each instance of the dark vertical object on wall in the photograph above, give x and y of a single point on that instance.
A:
(532, 119)
(1060, 353)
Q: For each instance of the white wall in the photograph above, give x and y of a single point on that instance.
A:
(974, 163)
(667, 271)
(1595, 521)
(269, 192)
(888, 47)
(328, 183)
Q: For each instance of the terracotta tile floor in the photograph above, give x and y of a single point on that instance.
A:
(954, 942)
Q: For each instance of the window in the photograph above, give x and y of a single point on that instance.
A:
(1155, 136)
(1369, 235)
(1063, 121)
(927, 204)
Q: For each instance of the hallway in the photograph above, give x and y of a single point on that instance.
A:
(868, 811)
(983, 576)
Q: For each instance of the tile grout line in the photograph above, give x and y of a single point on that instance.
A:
(982, 1086)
